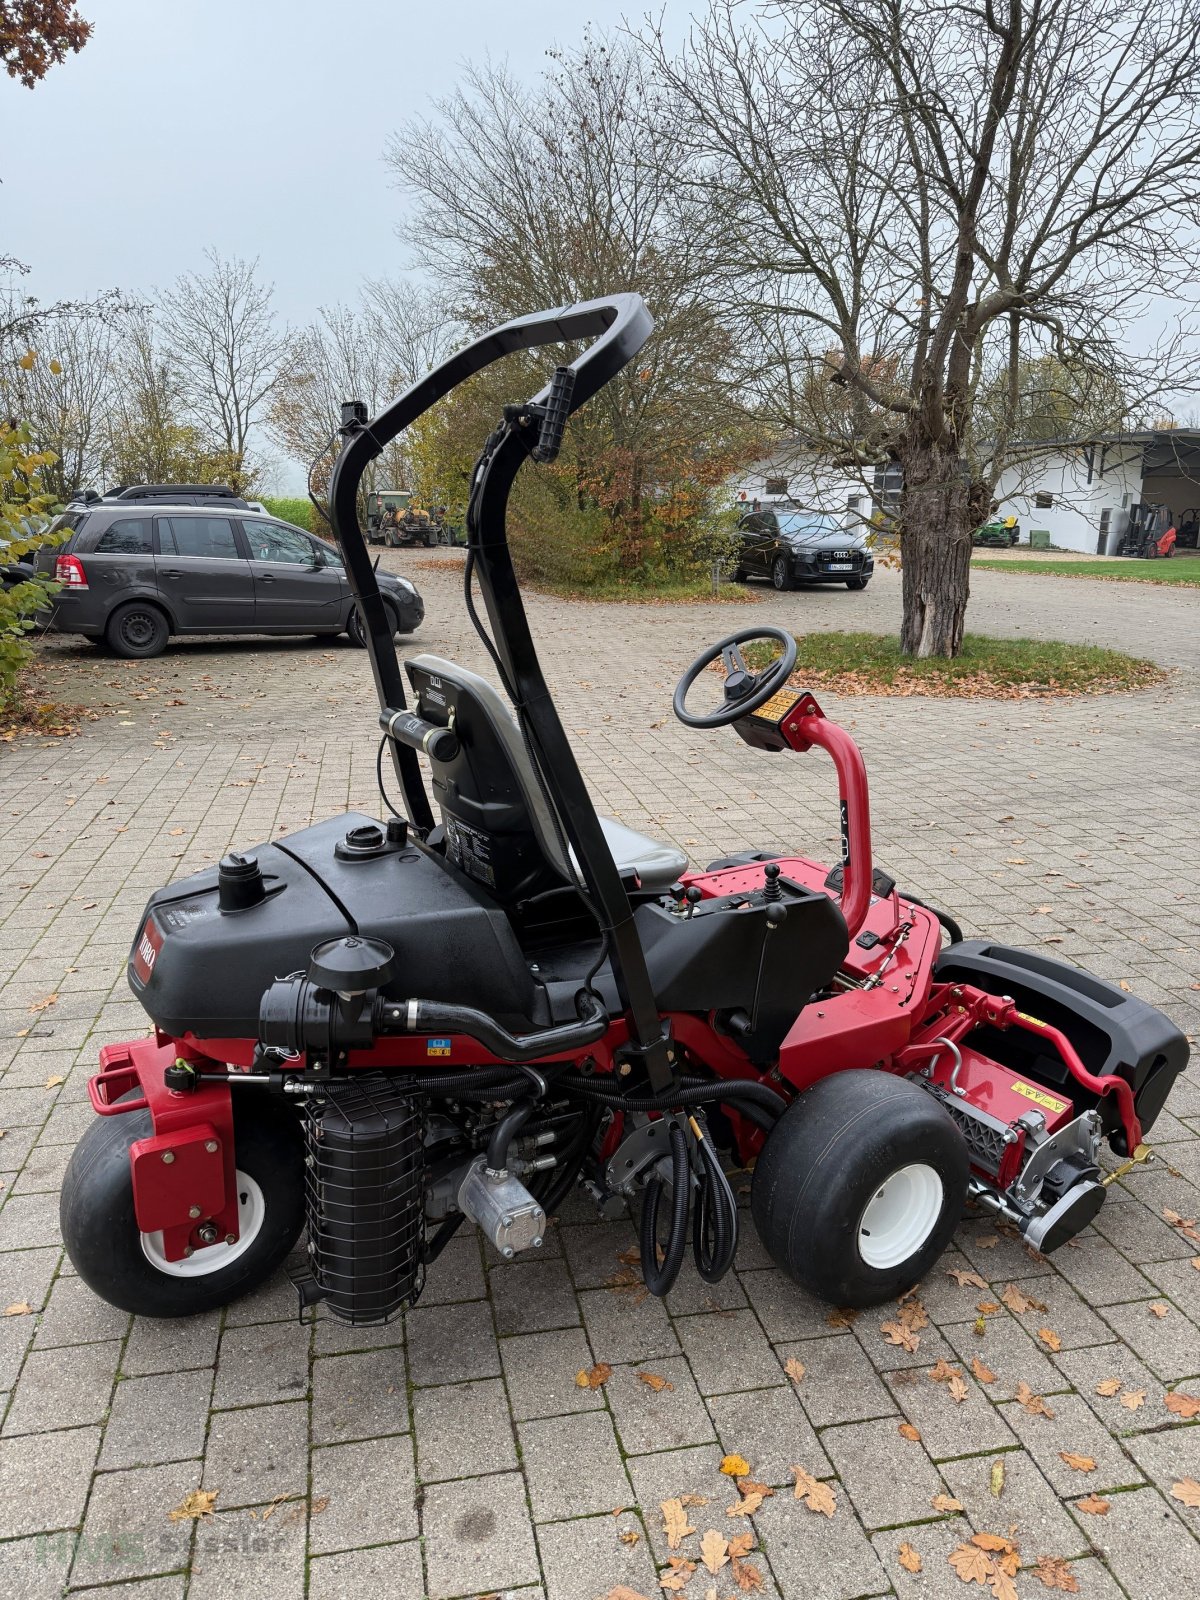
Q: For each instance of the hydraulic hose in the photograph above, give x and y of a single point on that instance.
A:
(714, 1215)
(503, 1134)
(432, 1016)
(951, 926)
(755, 1101)
(661, 1278)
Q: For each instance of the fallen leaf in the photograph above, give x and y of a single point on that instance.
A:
(677, 1577)
(1133, 1399)
(945, 1502)
(1108, 1387)
(1050, 1339)
(996, 1478)
(1160, 1309)
(1033, 1403)
(1055, 1573)
(988, 1308)
(693, 1499)
(44, 1005)
(19, 1308)
(745, 1507)
(843, 1317)
(1077, 1463)
(652, 1380)
(794, 1369)
(54, 1081)
(907, 1431)
(631, 1257)
(1187, 1492)
(966, 1279)
(735, 1466)
(675, 1523)
(816, 1495)
(595, 1377)
(1182, 1405)
(175, 832)
(747, 1576)
(896, 1333)
(195, 1506)
(1195, 1262)
(972, 1564)
(741, 1544)
(942, 1372)
(984, 1374)
(958, 1390)
(714, 1551)
(1093, 1504)
(912, 1314)
(1017, 1300)
(908, 1558)
(748, 1486)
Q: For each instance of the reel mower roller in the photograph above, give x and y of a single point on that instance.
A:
(374, 1032)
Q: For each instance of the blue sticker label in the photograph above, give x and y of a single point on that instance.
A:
(437, 1047)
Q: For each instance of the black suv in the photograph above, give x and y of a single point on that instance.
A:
(145, 562)
(790, 547)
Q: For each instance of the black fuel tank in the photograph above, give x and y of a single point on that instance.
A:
(200, 969)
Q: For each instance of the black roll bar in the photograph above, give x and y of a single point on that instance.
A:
(620, 326)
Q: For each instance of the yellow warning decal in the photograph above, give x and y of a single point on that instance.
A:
(1039, 1097)
(1025, 1017)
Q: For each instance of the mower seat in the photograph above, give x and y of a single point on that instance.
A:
(443, 686)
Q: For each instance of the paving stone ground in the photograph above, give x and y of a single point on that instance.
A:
(453, 1454)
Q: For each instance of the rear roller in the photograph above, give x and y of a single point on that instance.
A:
(859, 1187)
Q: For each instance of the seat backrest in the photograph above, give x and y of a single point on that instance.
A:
(499, 827)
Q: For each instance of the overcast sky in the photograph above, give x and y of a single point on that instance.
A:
(255, 126)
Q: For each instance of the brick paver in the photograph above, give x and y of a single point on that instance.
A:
(454, 1454)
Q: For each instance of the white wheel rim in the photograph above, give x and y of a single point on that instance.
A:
(252, 1211)
(900, 1216)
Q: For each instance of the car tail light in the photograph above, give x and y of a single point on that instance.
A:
(68, 570)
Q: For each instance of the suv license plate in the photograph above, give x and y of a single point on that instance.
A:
(841, 566)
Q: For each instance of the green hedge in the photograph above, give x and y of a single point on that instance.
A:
(297, 511)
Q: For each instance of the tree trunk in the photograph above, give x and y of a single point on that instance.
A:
(937, 521)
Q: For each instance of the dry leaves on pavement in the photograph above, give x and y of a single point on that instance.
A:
(1094, 1505)
(907, 1431)
(996, 1477)
(735, 1466)
(908, 1558)
(945, 1502)
(675, 1523)
(654, 1381)
(990, 1560)
(794, 1369)
(594, 1377)
(1187, 1492)
(680, 1570)
(984, 1374)
(896, 1333)
(1182, 1405)
(1050, 1339)
(19, 1308)
(816, 1495)
(1077, 1463)
(1055, 1573)
(714, 1551)
(1133, 1399)
(1108, 1387)
(1160, 1309)
(965, 1278)
(747, 1576)
(1017, 1300)
(194, 1506)
(1033, 1403)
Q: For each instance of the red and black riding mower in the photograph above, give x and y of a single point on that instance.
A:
(376, 1031)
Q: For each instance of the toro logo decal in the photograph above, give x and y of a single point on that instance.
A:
(145, 951)
(437, 1047)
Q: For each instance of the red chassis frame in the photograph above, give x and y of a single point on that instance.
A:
(886, 1013)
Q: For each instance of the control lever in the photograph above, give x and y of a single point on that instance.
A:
(554, 414)
(776, 915)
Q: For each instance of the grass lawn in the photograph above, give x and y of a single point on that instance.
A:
(1178, 571)
(1007, 669)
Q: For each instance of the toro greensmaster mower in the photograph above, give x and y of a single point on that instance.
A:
(373, 1031)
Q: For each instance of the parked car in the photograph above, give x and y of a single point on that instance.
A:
(139, 566)
(791, 547)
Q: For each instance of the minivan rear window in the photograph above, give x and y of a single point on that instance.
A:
(131, 536)
(197, 536)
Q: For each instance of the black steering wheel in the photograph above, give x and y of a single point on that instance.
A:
(745, 691)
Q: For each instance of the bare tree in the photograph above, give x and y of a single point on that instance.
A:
(543, 195)
(65, 396)
(220, 330)
(906, 198)
(371, 354)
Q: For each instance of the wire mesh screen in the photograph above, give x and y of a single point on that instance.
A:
(365, 1194)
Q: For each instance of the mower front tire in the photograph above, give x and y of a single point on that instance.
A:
(859, 1187)
(129, 1269)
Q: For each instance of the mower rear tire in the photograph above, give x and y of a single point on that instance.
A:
(859, 1187)
(129, 1269)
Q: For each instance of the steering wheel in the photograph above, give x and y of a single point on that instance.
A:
(745, 691)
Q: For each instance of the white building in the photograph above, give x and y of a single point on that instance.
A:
(1080, 494)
